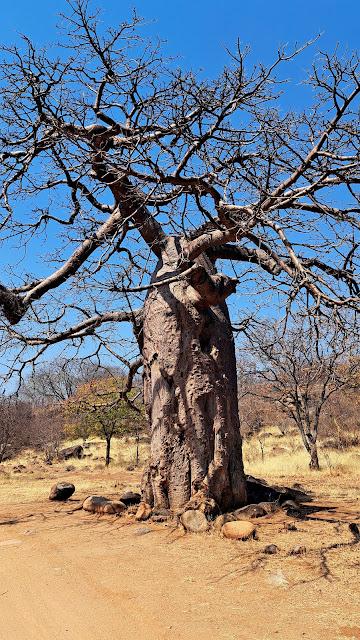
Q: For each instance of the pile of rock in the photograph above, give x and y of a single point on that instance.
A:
(200, 515)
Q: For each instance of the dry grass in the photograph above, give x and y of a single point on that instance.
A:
(272, 453)
(268, 455)
(89, 474)
(282, 459)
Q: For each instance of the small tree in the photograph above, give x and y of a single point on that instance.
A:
(303, 365)
(100, 408)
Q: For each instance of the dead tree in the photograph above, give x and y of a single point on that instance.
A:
(303, 363)
(141, 177)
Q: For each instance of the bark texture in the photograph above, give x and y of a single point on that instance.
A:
(108, 448)
(190, 388)
(314, 459)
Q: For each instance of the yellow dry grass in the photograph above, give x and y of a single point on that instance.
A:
(282, 459)
(90, 473)
(271, 455)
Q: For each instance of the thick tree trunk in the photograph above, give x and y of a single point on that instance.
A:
(190, 390)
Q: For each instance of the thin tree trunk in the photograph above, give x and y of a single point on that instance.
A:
(310, 442)
(190, 392)
(137, 437)
(108, 446)
(314, 460)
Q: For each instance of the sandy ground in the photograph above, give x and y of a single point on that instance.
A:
(80, 577)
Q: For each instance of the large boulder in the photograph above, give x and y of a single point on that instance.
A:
(238, 530)
(71, 452)
(101, 505)
(194, 520)
(61, 491)
(130, 498)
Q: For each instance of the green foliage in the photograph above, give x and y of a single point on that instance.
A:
(99, 409)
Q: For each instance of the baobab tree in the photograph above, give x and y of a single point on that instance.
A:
(139, 177)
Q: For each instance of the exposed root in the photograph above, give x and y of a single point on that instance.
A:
(324, 567)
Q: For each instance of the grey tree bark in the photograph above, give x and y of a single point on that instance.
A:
(190, 388)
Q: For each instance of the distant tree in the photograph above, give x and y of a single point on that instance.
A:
(255, 416)
(303, 365)
(15, 417)
(57, 380)
(47, 429)
(100, 408)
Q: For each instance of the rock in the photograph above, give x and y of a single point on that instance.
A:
(130, 468)
(71, 452)
(142, 531)
(61, 491)
(144, 511)
(271, 549)
(244, 513)
(200, 502)
(250, 511)
(194, 521)
(93, 503)
(161, 512)
(290, 504)
(70, 467)
(269, 507)
(114, 507)
(299, 550)
(130, 498)
(238, 530)
(220, 521)
(99, 504)
(278, 579)
(290, 526)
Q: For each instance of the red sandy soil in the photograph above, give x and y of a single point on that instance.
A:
(77, 576)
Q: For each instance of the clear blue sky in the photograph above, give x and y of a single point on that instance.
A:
(201, 29)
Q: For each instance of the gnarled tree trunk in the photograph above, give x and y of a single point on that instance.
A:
(190, 388)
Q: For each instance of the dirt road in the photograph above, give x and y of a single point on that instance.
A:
(80, 577)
